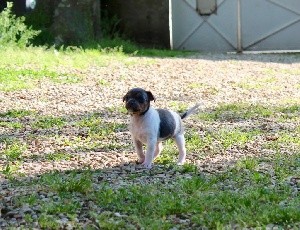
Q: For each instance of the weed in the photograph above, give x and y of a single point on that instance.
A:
(103, 82)
(10, 169)
(16, 79)
(65, 206)
(11, 125)
(27, 199)
(48, 122)
(229, 138)
(180, 107)
(235, 112)
(71, 183)
(58, 156)
(14, 152)
(196, 142)
(48, 222)
(207, 206)
(17, 113)
(247, 163)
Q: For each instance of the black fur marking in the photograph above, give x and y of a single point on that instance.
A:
(183, 115)
(167, 124)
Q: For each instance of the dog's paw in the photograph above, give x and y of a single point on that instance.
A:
(139, 161)
(180, 162)
(147, 165)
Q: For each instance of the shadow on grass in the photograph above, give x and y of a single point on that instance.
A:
(107, 190)
(132, 49)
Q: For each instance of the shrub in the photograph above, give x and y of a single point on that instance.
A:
(13, 31)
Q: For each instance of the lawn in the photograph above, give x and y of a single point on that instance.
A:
(67, 161)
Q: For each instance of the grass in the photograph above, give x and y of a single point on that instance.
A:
(240, 111)
(241, 197)
(248, 195)
(17, 79)
(131, 48)
(58, 156)
(251, 192)
(24, 68)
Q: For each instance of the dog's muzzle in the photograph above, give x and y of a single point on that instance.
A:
(132, 106)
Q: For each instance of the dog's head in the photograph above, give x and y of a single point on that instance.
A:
(138, 101)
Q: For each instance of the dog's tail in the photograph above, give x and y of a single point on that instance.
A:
(191, 111)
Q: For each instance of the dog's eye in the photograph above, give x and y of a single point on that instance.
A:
(141, 99)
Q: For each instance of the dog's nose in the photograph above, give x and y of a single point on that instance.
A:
(131, 102)
(132, 105)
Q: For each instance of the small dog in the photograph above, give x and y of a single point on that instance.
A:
(151, 126)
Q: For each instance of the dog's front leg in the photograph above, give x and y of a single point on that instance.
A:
(151, 146)
(139, 150)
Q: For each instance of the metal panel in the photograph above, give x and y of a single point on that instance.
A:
(270, 24)
(192, 31)
(264, 25)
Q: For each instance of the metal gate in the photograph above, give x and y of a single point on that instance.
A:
(235, 25)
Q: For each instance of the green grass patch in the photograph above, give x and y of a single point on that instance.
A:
(178, 106)
(11, 125)
(235, 137)
(131, 48)
(17, 113)
(237, 112)
(26, 199)
(288, 140)
(70, 183)
(48, 222)
(48, 122)
(58, 156)
(12, 155)
(66, 205)
(234, 112)
(97, 127)
(244, 196)
(14, 151)
(202, 202)
(196, 143)
(12, 79)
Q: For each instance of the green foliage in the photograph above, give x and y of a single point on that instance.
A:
(58, 156)
(16, 79)
(13, 31)
(48, 222)
(48, 122)
(17, 113)
(11, 125)
(72, 183)
(62, 206)
(203, 202)
(242, 111)
(235, 112)
(12, 155)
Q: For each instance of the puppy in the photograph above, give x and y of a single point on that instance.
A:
(151, 126)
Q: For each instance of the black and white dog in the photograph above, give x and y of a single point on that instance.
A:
(151, 126)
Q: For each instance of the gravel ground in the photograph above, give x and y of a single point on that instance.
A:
(211, 79)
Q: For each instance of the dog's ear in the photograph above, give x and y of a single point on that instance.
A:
(124, 98)
(150, 96)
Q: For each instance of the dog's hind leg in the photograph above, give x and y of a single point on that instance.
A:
(180, 142)
(158, 149)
